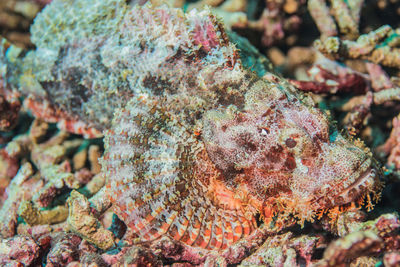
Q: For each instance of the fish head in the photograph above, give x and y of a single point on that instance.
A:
(288, 155)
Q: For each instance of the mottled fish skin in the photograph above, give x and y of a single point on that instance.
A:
(197, 146)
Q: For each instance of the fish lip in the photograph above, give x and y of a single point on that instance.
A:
(368, 173)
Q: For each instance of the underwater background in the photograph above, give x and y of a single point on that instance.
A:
(120, 120)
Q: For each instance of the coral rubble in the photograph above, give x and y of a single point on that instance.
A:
(162, 136)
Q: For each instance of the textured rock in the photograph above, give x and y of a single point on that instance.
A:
(18, 251)
(82, 222)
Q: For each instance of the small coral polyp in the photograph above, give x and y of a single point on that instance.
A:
(197, 146)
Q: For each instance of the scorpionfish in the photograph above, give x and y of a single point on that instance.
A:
(197, 146)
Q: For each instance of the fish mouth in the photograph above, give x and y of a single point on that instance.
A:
(367, 182)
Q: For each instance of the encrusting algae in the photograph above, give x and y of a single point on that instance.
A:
(197, 146)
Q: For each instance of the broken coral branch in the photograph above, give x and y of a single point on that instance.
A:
(379, 46)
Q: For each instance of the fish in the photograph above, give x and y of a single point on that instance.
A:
(198, 146)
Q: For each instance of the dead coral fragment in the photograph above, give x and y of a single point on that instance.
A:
(56, 173)
(94, 156)
(283, 250)
(278, 21)
(346, 14)
(8, 169)
(350, 247)
(38, 130)
(320, 12)
(16, 17)
(34, 216)
(379, 46)
(372, 238)
(56, 178)
(82, 222)
(18, 251)
(133, 256)
(327, 76)
(348, 222)
(392, 145)
(22, 186)
(64, 249)
(9, 108)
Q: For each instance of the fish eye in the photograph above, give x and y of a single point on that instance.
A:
(290, 142)
(264, 131)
